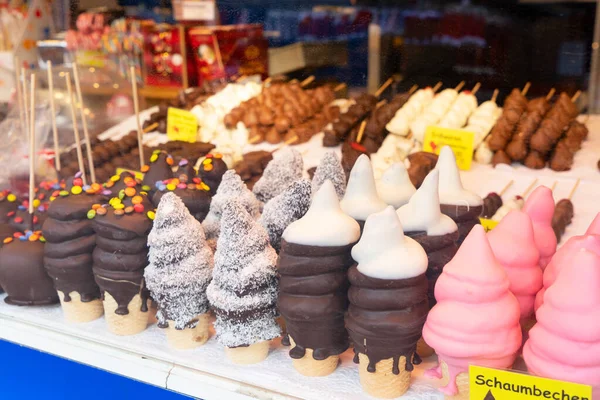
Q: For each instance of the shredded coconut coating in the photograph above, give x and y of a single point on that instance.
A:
(244, 288)
(231, 187)
(285, 168)
(284, 209)
(180, 266)
(330, 168)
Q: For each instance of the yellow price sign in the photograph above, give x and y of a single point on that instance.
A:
(490, 384)
(488, 224)
(137, 174)
(460, 141)
(181, 125)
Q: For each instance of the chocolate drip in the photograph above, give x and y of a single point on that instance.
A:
(122, 286)
(313, 297)
(440, 250)
(386, 317)
(196, 201)
(466, 217)
(285, 340)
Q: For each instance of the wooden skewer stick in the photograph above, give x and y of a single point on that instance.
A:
(526, 88)
(240, 78)
(255, 139)
(361, 130)
(380, 104)
(574, 189)
(136, 107)
(23, 80)
(529, 188)
(383, 87)
(291, 140)
(86, 134)
(550, 94)
(307, 81)
(20, 102)
(495, 95)
(475, 88)
(339, 87)
(150, 128)
(75, 128)
(413, 89)
(576, 96)
(459, 86)
(554, 185)
(509, 184)
(293, 81)
(32, 146)
(53, 116)
(437, 86)
(267, 81)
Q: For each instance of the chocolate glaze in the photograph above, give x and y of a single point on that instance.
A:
(122, 286)
(22, 274)
(159, 171)
(312, 297)
(196, 201)
(56, 231)
(440, 250)
(6, 207)
(465, 217)
(386, 317)
(214, 176)
(119, 185)
(23, 221)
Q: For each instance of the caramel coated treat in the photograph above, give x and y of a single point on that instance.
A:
(563, 216)
(535, 160)
(564, 153)
(421, 164)
(500, 157)
(502, 133)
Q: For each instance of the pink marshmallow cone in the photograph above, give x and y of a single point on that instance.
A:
(540, 208)
(594, 228)
(514, 247)
(472, 287)
(565, 342)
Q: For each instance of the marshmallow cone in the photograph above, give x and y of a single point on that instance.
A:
(594, 228)
(540, 208)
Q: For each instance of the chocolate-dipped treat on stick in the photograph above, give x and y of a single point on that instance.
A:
(211, 171)
(22, 273)
(243, 291)
(514, 107)
(330, 168)
(313, 263)
(493, 201)
(516, 203)
(361, 198)
(566, 148)
(563, 213)
(346, 122)
(179, 271)
(388, 305)
(70, 242)
(192, 191)
(159, 169)
(285, 168)
(463, 206)
(121, 254)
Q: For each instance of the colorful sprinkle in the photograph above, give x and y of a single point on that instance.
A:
(207, 161)
(151, 215)
(91, 214)
(171, 186)
(41, 196)
(11, 197)
(22, 207)
(130, 192)
(96, 206)
(175, 181)
(197, 180)
(170, 160)
(79, 174)
(119, 212)
(130, 183)
(181, 186)
(139, 208)
(87, 187)
(64, 193)
(115, 178)
(33, 238)
(17, 234)
(76, 189)
(56, 193)
(208, 167)
(209, 155)
(154, 157)
(7, 240)
(157, 151)
(137, 199)
(191, 186)
(101, 211)
(109, 184)
(204, 186)
(145, 168)
(18, 220)
(35, 219)
(218, 155)
(119, 206)
(11, 213)
(128, 210)
(42, 239)
(106, 192)
(121, 194)
(78, 182)
(41, 208)
(183, 162)
(22, 238)
(96, 187)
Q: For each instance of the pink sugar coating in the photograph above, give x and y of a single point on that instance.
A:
(565, 342)
(472, 287)
(540, 208)
(594, 228)
(514, 247)
(563, 259)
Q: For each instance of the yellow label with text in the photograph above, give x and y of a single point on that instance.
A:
(181, 125)
(459, 140)
(490, 384)
(137, 174)
(488, 224)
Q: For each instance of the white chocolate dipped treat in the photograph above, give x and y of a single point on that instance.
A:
(484, 154)
(451, 188)
(433, 113)
(400, 123)
(383, 251)
(422, 213)
(482, 121)
(361, 198)
(459, 112)
(324, 224)
(395, 187)
(516, 203)
(394, 149)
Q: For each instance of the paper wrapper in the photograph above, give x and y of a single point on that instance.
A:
(308, 366)
(462, 383)
(252, 354)
(134, 322)
(189, 338)
(383, 383)
(423, 349)
(78, 311)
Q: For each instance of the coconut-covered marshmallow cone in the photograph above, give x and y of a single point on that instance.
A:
(388, 304)
(243, 291)
(313, 264)
(179, 272)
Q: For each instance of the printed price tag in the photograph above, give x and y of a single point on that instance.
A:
(488, 224)
(181, 125)
(490, 384)
(137, 174)
(203, 10)
(461, 142)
